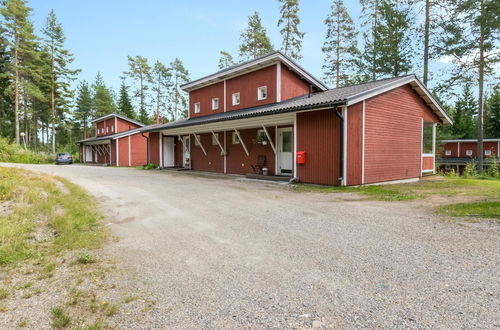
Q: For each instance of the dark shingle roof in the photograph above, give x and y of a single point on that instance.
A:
(337, 96)
(114, 136)
(119, 116)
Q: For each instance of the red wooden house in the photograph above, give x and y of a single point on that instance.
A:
(271, 113)
(457, 153)
(118, 141)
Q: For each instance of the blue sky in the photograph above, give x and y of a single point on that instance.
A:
(102, 33)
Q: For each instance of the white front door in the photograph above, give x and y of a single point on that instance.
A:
(285, 150)
(186, 152)
(168, 151)
(88, 154)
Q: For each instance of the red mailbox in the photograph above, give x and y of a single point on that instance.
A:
(301, 157)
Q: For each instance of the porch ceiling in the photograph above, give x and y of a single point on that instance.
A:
(257, 122)
(91, 143)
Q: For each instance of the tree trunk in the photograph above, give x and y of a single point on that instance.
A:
(176, 98)
(481, 91)
(53, 104)
(157, 119)
(16, 93)
(426, 41)
(337, 62)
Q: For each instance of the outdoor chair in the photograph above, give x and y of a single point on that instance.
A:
(257, 168)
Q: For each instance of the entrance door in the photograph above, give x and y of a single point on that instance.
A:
(186, 152)
(285, 150)
(168, 151)
(88, 154)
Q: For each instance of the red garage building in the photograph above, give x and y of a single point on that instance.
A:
(118, 141)
(270, 116)
(457, 153)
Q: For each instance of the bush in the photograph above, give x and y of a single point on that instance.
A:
(86, 258)
(149, 167)
(492, 170)
(13, 153)
(470, 170)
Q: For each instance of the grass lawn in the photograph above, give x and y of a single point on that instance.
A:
(485, 192)
(42, 215)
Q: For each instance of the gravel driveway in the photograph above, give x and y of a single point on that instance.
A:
(233, 253)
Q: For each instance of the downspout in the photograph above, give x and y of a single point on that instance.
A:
(341, 158)
(148, 146)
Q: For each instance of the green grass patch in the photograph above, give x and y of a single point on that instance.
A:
(86, 258)
(60, 318)
(68, 216)
(479, 209)
(3, 293)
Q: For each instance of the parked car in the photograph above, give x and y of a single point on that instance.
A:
(64, 158)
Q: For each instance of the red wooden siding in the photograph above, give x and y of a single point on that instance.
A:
(213, 161)
(393, 129)
(124, 125)
(453, 147)
(113, 152)
(318, 134)
(247, 85)
(138, 150)
(98, 128)
(123, 151)
(154, 139)
(178, 156)
(427, 163)
(464, 146)
(291, 84)
(354, 144)
(204, 96)
(238, 162)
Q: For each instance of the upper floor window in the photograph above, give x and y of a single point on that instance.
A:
(236, 98)
(215, 103)
(107, 129)
(487, 152)
(196, 139)
(112, 128)
(447, 152)
(98, 131)
(197, 107)
(262, 93)
(468, 152)
(215, 138)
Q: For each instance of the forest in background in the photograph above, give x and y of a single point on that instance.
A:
(42, 103)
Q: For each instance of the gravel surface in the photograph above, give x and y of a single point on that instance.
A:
(234, 253)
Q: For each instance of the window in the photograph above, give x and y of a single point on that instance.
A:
(215, 137)
(262, 93)
(427, 137)
(107, 129)
(236, 98)
(197, 107)
(487, 152)
(215, 103)
(196, 139)
(112, 128)
(236, 139)
(468, 152)
(98, 131)
(447, 152)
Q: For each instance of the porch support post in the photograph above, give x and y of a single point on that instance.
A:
(218, 142)
(117, 152)
(241, 141)
(269, 138)
(199, 143)
(434, 146)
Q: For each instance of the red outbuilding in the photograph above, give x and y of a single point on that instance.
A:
(271, 117)
(118, 141)
(457, 153)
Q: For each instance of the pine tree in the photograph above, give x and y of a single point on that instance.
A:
(140, 72)
(370, 16)
(469, 35)
(254, 39)
(124, 104)
(162, 83)
(395, 48)
(340, 46)
(180, 76)
(464, 115)
(292, 37)
(18, 32)
(102, 102)
(226, 60)
(60, 58)
(492, 114)
(6, 114)
(83, 110)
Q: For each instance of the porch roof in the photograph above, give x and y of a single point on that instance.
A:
(333, 97)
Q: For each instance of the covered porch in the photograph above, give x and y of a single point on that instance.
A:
(96, 152)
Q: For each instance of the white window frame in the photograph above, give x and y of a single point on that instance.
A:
(468, 152)
(98, 131)
(215, 100)
(487, 152)
(235, 139)
(112, 128)
(259, 132)
(197, 107)
(214, 139)
(447, 152)
(260, 95)
(196, 139)
(234, 100)
(107, 129)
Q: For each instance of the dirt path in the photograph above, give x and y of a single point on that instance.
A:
(232, 253)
